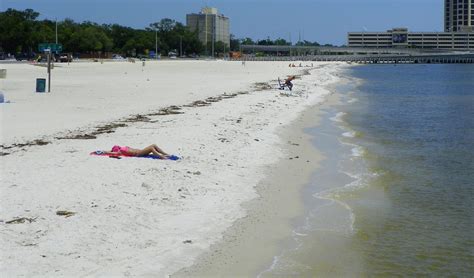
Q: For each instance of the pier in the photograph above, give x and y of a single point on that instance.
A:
(356, 55)
(375, 59)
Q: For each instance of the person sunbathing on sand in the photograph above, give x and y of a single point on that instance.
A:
(127, 151)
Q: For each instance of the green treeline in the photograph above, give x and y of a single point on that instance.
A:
(22, 32)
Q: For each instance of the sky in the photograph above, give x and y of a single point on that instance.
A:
(324, 21)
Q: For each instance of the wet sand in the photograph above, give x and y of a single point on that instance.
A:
(249, 247)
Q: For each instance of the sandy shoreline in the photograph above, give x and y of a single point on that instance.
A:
(249, 246)
(135, 216)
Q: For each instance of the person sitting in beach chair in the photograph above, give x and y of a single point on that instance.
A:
(127, 151)
(288, 82)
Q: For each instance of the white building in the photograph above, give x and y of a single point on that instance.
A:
(458, 35)
(400, 37)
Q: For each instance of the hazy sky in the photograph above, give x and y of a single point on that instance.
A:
(324, 21)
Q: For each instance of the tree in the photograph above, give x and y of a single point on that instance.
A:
(281, 41)
(247, 41)
(172, 35)
(66, 30)
(91, 38)
(267, 41)
(20, 31)
(16, 28)
(220, 47)
(120, 35)
(234, 43)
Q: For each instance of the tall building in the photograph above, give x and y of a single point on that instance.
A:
(210, 26)
(458, 15)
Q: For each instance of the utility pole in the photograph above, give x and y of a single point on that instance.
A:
(180, 46)
(56, 30)
(206, 33)
(213, 38)
(156, 43)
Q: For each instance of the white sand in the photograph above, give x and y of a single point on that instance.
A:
(136, 216)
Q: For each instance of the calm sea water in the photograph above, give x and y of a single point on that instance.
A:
(395, 195)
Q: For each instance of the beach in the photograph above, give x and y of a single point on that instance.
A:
(241, 146)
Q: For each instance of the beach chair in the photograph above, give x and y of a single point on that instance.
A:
(281, 85)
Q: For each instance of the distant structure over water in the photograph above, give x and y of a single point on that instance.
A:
(400, 37)
(458, 35)
(458, 15)
(211, 26)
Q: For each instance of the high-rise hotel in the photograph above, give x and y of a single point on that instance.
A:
(210, 26)
(458, 32)
(458, 15)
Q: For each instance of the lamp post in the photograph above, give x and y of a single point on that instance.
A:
(156, 44)
(56, 30)
(213, 38)
(206, 33)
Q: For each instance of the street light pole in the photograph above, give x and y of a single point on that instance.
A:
(156, 44)
(206, 33)
(213, 37)
(56, 30)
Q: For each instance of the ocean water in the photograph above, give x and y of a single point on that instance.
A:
(395, 193)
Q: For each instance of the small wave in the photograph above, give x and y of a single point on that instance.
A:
(349, 134)
(277, 260)
(299, 234)
(334, 196)
(352, 100)
(339, 117)
(358, 151)
(361, 180)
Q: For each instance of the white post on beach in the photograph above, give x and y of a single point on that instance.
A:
(3, 75)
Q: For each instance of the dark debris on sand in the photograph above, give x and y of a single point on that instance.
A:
(20, 220)
(111, 127)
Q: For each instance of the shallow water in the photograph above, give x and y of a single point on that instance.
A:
(395, 193)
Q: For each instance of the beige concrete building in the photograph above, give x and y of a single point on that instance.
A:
(458, 35)
(458, 15)
(400, 37)
(210, 25)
